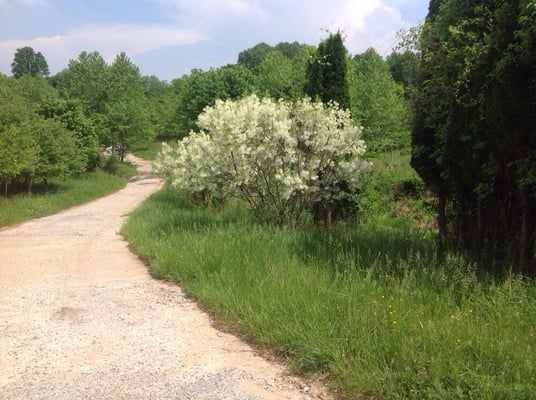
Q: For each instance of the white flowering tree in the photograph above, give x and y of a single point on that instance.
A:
(279, 157)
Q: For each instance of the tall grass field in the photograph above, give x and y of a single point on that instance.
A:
(375, 308)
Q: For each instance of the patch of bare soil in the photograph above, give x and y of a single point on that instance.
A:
(80, 318)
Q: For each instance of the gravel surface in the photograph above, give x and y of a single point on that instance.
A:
(80, 318)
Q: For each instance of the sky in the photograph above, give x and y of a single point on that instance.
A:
(169, 38)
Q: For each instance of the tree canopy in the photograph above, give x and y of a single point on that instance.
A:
(27, 61)
(34, 145)
(377, 102)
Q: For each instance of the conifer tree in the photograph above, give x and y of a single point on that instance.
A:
(327, 72)
(473, 135)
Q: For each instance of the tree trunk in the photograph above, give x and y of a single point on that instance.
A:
(528, 232)
(442, 214)
(28, 180)
(122, 147)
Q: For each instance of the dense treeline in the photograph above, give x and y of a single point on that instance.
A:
(91, 105)
(41, 135)
(58, 127)
(473, 137)
(292, 71)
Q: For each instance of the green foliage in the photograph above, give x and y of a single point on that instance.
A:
(473, 137)
(253, 57)
(202, 88)
(18, 153)
(195, 92)
(404, 68)
(13, 107)
(393, 190)
(28, 62)
(279, 71)
(162, 101)
(114, 97)
(85, 79)
(275, 76)
(59, 154)
(34, 144)
(378, 103)
(327, 72)
(70, 114)
(376, 309)
(126, 114)
(237, 81)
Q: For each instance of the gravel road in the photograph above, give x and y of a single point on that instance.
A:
(80, 318)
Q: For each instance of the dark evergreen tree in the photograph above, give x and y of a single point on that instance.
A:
(327, 72)
(473, 135)
(327, 81)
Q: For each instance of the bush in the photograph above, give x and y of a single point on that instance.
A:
(280, 157)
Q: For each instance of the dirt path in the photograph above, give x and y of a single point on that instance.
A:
(80, 318)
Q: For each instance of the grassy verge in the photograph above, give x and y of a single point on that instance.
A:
(147, 149)
(62, 194)
(376, 308)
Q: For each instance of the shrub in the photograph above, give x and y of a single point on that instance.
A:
(279, 157)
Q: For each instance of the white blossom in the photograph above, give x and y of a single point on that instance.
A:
(279, 156)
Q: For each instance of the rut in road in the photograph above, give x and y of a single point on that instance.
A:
(80, 318)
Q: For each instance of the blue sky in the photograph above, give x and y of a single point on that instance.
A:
(168, 38)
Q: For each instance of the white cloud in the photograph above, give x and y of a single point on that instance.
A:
(365, 23)
(221, 10)
(107, 40)
(377, 29)
(225, 27)
(371, 23)
(133, 39)
(27, 3)
(207, 12)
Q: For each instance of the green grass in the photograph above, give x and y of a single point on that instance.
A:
(62, 194)
(147, 149)
(376, 308)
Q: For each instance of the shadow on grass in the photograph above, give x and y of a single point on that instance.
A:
(388, 250)
(362, 248)
(18, 189)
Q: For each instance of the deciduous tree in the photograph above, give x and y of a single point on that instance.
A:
(126, 111)
(28, 62)
(200, 89)
(378, 103)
